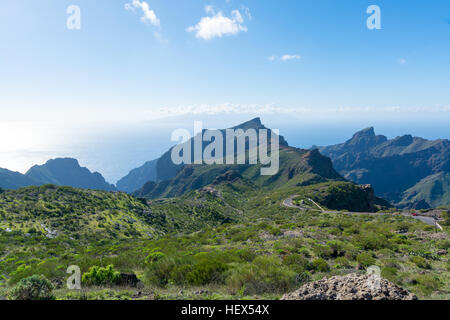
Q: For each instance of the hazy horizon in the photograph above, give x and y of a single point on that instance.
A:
(115, 150)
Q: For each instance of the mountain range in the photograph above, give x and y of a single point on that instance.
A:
(408, 171)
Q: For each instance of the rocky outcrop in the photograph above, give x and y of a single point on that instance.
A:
(350, 287)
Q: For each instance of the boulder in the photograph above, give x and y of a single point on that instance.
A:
(350, 287)
(128, 279)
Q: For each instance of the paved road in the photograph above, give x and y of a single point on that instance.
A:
(428, 220)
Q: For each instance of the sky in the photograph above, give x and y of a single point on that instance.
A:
(135, 70)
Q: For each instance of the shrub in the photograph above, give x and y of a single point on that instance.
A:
(207, 271)
(337, 248)
(243, 254)
(154, 256)
(297, 262)
(391, 263)
(323, 251)
(179, 272)
(36, 287)
(203, 268)
(101, 276)
(389, 273)
(264, 274)
(420, 262)
(365, 260)
(372, 241)
(320, 265)
(446, 218)
(426, 284)
(342, 262)
(159, 273)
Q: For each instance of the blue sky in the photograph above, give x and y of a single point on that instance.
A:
(120, 69)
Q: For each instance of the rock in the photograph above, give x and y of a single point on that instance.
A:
(350, 287)
(128, 279)
(201, 292)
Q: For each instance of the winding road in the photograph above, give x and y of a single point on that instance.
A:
(428, 220)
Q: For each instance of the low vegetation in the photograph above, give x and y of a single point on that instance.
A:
(211, 244)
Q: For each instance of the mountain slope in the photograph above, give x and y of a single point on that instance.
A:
(14, 180)
(136, 178)
(432, 191)
(86, 215)
(163, 168)
(68, 172)
(297, 168)
(390, 166)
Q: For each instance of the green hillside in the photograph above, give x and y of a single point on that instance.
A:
(297, 168)
(432, 191)
(223, 241)
(88, 215)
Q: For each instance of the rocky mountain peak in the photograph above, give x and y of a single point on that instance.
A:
(366, 138)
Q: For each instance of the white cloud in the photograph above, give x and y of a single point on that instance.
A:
(284, 58)
(247, 12)
(218, 25)
(271, 109)
(149, 15)
(288, 57)
(402, 61)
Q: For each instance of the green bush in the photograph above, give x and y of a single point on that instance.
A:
(154, 256)
(207, 271)
(320, 265)
(97, 276)
(36, 287)
(323, 251)
(160, 272)
(266, 274)
(389, 273)
(420, 262)
(426, 284)
(342, 262)
(337, 248)
(297, 262)
(202, 269)
(372, 241)
(365, 260)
